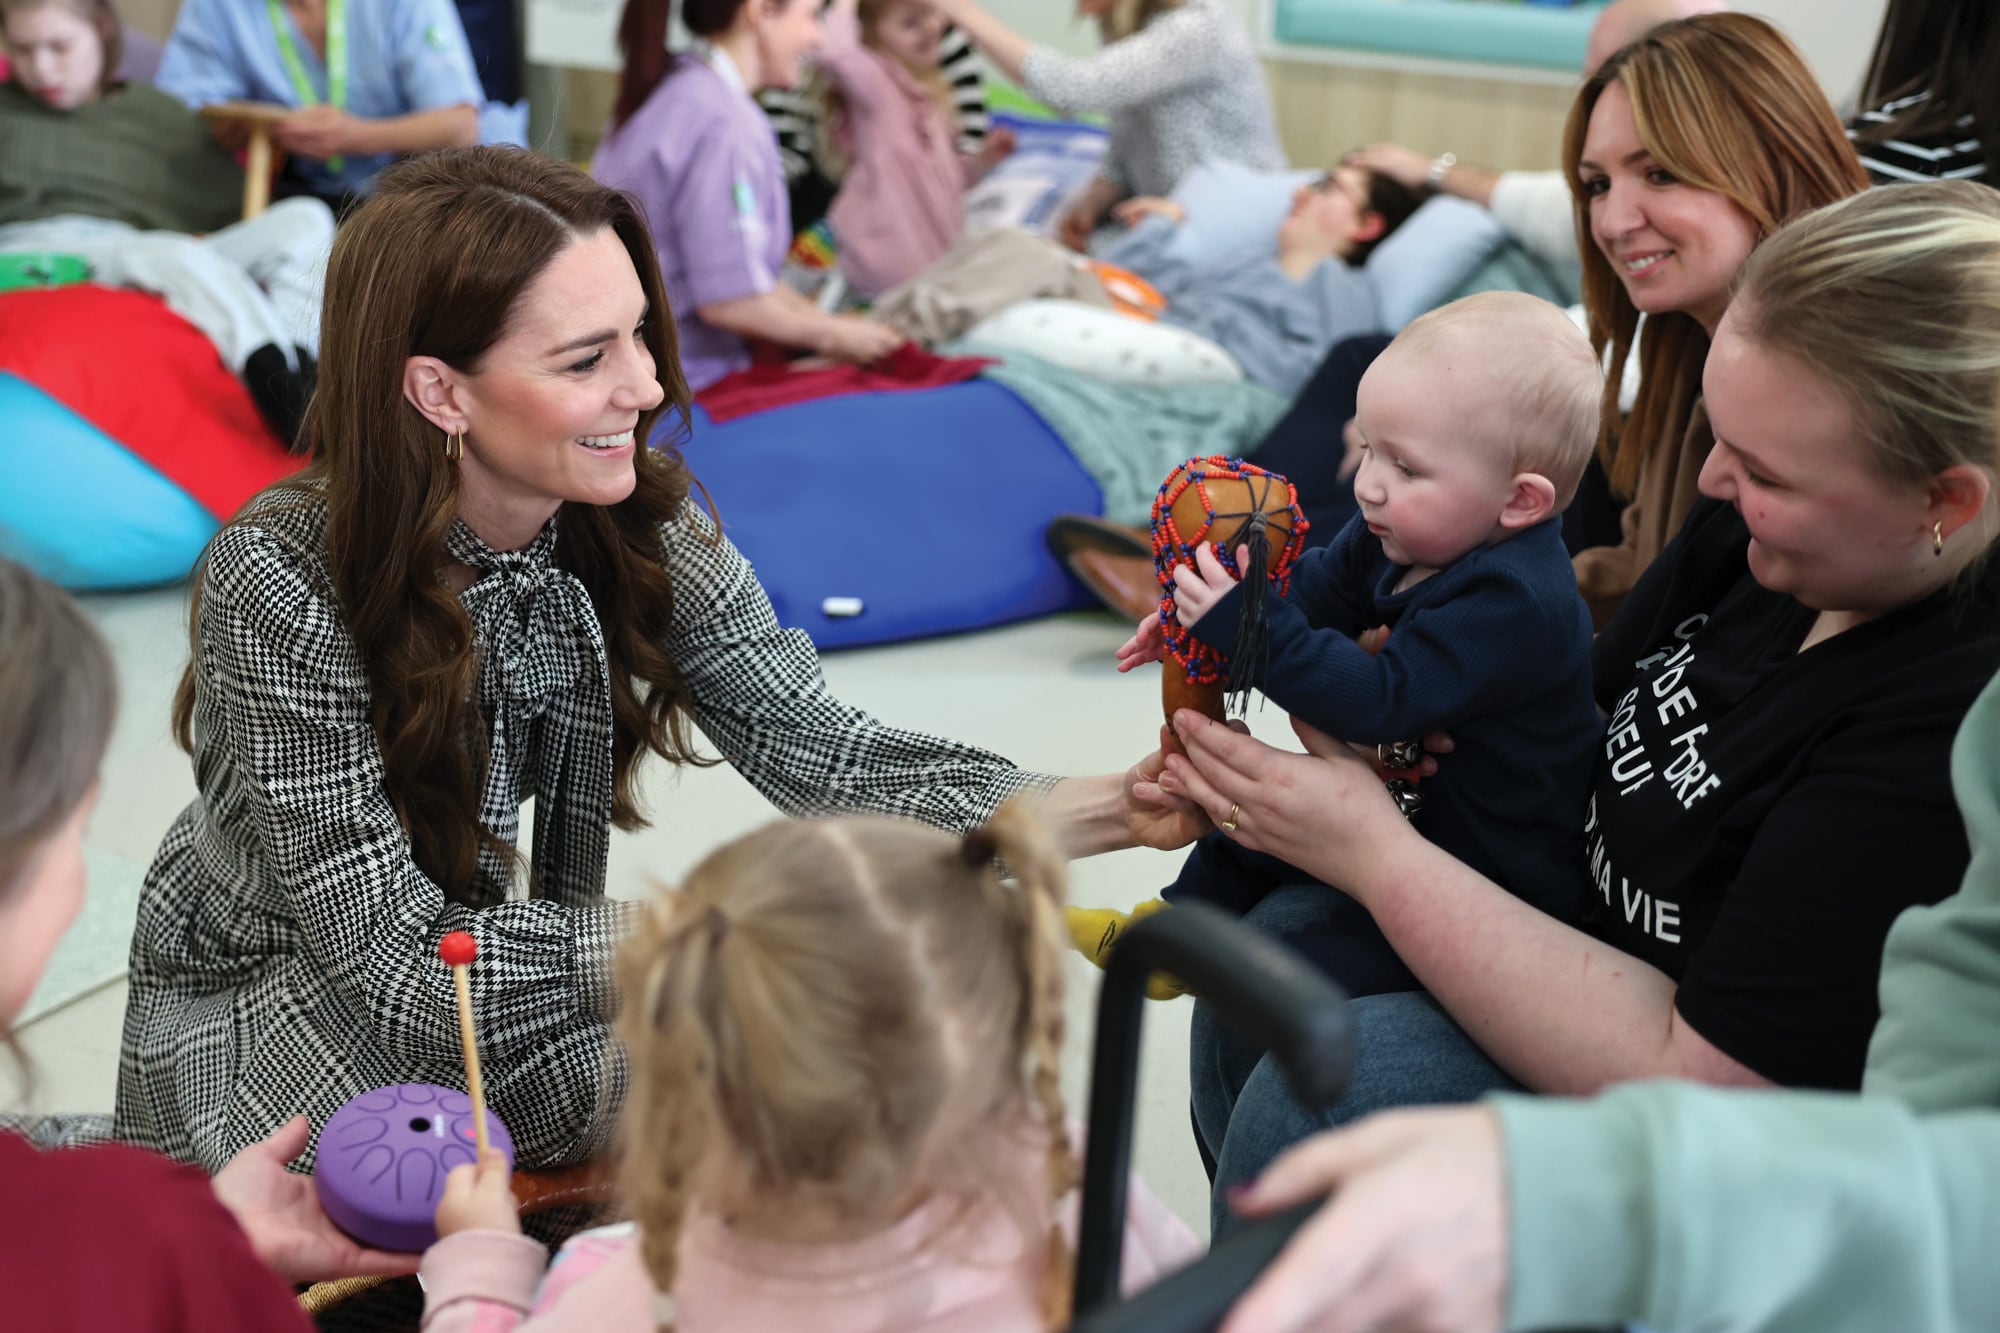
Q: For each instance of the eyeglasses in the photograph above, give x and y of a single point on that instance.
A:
(1331, 180)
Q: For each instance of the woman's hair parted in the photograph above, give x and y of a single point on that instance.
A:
(1724, 103)
(845, 1011)
(1893, 299)
(433, 264)
(99, 14)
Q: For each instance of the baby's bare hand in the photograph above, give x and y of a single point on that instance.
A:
(1196, 590)
(1147, 644)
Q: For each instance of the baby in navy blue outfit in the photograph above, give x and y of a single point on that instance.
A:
(1478, 422)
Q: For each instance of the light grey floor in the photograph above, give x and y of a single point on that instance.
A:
(1046, 694)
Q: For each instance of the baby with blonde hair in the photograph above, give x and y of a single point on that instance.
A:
(1477, 424)
(843, 1111)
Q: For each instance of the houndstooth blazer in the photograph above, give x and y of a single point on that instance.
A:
(286, 951)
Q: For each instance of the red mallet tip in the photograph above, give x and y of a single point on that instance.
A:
(457, 948)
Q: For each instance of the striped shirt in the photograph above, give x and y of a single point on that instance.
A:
(1952, 153)
(796, 112)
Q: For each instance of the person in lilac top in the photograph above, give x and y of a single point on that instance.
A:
(689, 143)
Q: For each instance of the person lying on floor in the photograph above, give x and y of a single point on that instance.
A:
(118, 174)
(1276, 312)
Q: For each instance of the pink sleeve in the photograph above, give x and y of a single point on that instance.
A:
(856, 69)
(1157, 1242)
(480, 1281)
(494, 1282)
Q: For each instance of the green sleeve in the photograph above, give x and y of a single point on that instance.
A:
(1934, 1047)
(1685, 1207)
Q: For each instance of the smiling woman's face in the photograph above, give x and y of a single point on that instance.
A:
(549, 415)
(1826, 526)
(1674, 247)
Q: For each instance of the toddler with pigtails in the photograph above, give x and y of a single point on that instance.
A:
(901, 203)
(843, 1111)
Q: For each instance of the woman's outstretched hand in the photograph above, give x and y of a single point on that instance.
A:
(1413, 1238)
(1324, 811)
(279, 1211)
(1155, 817)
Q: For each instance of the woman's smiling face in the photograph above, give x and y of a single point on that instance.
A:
(1674, 247)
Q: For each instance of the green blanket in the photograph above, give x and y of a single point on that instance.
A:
(1515, 268)
(1129, 437)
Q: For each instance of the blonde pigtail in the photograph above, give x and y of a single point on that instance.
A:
(1042, 880)
(665, 971)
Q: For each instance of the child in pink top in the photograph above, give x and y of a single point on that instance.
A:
(843, 1113)
(902, 202)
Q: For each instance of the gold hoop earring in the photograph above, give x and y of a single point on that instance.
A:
(454, 445)
(1937, 537)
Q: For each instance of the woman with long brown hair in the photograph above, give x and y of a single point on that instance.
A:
(488, 587)
(1675, 179)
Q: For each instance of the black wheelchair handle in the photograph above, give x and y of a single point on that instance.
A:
(1263, 989)
(1195, 1299)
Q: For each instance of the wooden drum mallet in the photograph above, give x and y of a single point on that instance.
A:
(458, 949)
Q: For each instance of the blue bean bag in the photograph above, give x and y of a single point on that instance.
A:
(82, 508)
(926, 508)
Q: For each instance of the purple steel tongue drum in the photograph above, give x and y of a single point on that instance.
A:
(384, 1155)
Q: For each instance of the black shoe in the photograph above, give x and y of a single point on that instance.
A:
(281, 391)
(1069, 533)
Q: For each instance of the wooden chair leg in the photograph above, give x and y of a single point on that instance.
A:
(257, 173)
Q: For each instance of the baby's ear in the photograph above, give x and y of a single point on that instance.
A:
(1532, 499)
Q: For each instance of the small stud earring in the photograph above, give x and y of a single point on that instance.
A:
(1937, 537)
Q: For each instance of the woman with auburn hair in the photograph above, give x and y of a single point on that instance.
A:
(1685, 149)
(1782, 686)
(1867, 333)
(1180, 80)
(488, 587)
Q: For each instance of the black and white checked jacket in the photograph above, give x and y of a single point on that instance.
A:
(285, 957)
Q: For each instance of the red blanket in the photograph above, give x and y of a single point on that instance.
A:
(151, 381)
(762, 388)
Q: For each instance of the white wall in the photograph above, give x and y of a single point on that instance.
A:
(1836, 35)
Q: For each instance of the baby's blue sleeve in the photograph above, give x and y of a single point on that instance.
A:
(433, 61)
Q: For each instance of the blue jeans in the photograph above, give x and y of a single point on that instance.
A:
(1408, 1052)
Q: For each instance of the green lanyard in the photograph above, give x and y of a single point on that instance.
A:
(336, 60)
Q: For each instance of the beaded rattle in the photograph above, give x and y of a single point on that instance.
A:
(1225, 503)
(383, 1155)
